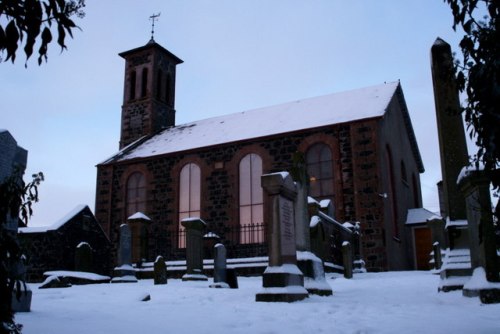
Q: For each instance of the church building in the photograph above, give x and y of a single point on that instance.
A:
(360, 149)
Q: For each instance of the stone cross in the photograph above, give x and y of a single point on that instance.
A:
(302, 237)
(282, 279)
(194, 249)
(153, 18)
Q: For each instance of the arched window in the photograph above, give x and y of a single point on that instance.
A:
(392, 191)
(189, 196)
(132, 85)
(167, 89)
(159, 79)
(414, 185)
(136, 194)
(251, 203)
(404, 176)
(320, 170)
(144, 82)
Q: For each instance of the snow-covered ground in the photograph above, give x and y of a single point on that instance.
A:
(395, 302)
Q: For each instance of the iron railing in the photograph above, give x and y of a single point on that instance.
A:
(240, 241)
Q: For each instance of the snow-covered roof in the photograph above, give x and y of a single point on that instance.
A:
(138, 215)
(56, 225)
(456, 223)
(419, 216)
(363, 103)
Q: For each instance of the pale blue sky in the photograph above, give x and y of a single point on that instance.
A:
(238, 55)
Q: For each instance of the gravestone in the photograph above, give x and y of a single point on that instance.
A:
(194, 249)
(436, 250)
(347, 259)
(124, 273)
(220, 267)
(358, 263)
(309, 264)
(160, 271)
(83, 257)
(282, 279)
(454, 156)
(138, 223)
(232, 278)
(475, 186)
(23, 303)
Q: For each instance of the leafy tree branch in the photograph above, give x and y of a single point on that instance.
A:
(27, 22)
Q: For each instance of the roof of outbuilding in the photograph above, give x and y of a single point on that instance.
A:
(363, 103)
(419, 216)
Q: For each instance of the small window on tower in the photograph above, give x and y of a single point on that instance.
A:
(167, 89)
(132, 85)
(144, 84)
(159, 78)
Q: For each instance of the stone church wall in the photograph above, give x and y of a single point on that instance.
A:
(355, 155)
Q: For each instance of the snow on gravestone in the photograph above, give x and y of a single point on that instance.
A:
(124, 272)
(160, 271)
(83, 257)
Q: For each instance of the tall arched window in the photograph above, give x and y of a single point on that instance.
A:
(392, 191)
(136, 193)
(159, 79)
(251, 203)
(168, 88)
(189, 196)
(132, 85)
(414, 185)
(320, 170)
(404, 176)
(144, 82)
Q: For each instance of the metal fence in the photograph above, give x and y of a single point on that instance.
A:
(240, 241)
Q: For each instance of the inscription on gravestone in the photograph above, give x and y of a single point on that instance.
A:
(287, 227)
(125, 255)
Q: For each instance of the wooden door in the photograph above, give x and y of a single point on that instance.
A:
(423, 247)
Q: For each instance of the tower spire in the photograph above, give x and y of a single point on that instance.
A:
(153, 18)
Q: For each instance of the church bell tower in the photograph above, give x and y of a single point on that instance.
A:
(149, 91)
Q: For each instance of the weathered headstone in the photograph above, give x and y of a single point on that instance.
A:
(347, 259)
(220, 267)
(83, 257)
(55, 282)
(232, 278)
(358, 263)
(138, 223)
(453, 147)
(124, 273)
(310, 265)
(282, 279)
(160, 271)
(194, 249)
(475, 186)
(21, 302)
(454, 156)
(436, 250)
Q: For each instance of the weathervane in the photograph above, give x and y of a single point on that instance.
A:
(153, 18)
